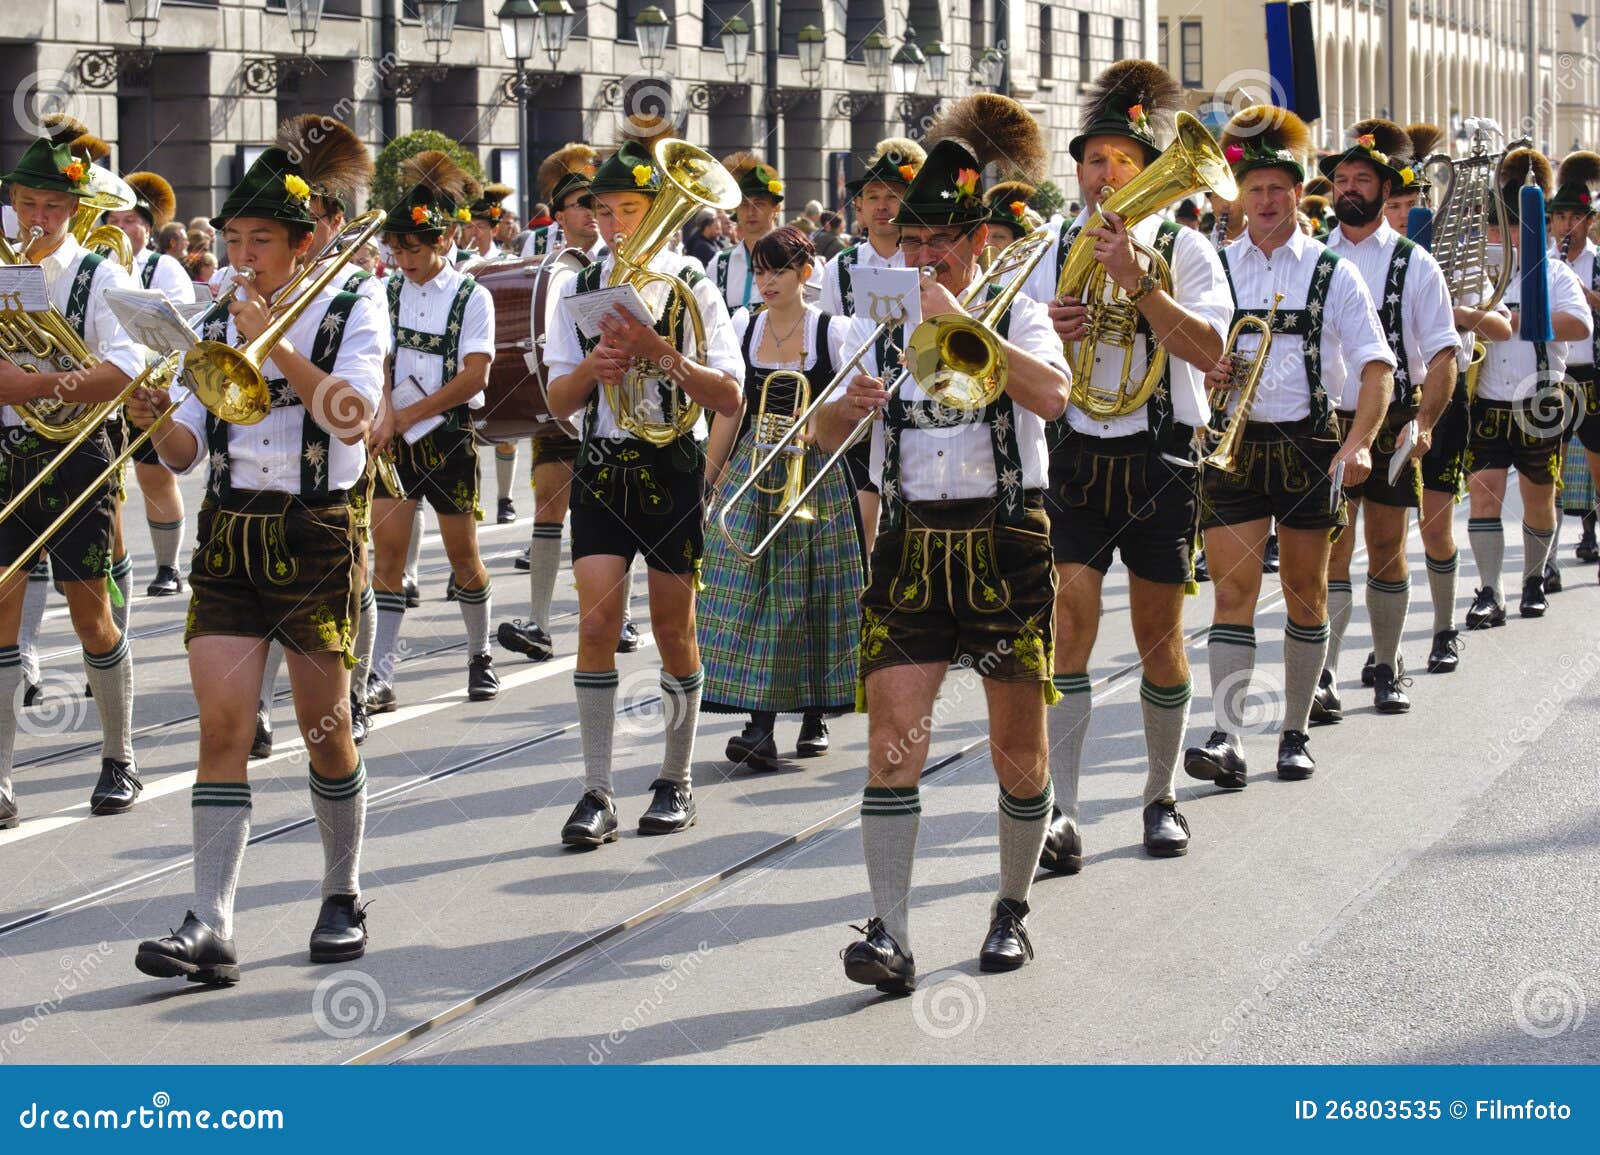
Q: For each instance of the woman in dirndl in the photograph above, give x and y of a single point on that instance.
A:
(779, 635)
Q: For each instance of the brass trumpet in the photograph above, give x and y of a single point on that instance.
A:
(1246, 373)
(772, 429)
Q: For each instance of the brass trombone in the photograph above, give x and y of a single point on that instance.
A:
(772, 429)
(957, 358)
(1247, 372)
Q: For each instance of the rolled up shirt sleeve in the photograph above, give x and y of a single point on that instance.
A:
(1352, 325)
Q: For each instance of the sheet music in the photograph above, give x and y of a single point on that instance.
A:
(880, 293)
(406, 394)
(151, 320)
(1402, 451)
(588, 308)
(22, 289)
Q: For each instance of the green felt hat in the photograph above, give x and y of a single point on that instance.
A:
(274, 189)
(50, 168)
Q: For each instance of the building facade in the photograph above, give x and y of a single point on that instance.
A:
(217, 75)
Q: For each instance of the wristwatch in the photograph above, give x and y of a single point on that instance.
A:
(1147, 285)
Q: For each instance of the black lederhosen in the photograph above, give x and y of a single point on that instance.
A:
(630, 497)
(1406, 492)
(441, 469)
(858, 464)
(953, 583)
(1121, 493)
(553, 445)
(1585, 393)
(267, 566)
(81, 549)
(1283, 474)
(1525, 434)
(1443, 466)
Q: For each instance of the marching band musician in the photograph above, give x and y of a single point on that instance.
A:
(1291, 448)
(276, 558)
(961, 567)
(1128, 482)
(732, 269)
(571, 219)
(781, 634)
(44, 190)
(1518, 413)
(1010, 218)
(482, 247)
(634, 497)
(1572, 215)
(875, 196)
(443, 339)
(1414, 310)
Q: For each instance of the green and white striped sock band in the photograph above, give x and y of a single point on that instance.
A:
(122, 567)
(10, 656)
(392, 603)
(111, 657)
(1486, 523)
(1235, 635)
(40, 571)
(594, 680)
(891, 801)
(1449, 565)
(470, 597)
(1336, 584)
(1396, 587)
(685, 684)
(546, 529)
(369, 599)
(235, 794)
(1309, 634)
(1025, 809)
(1072, 683)
(337, 788)
(1171, 697)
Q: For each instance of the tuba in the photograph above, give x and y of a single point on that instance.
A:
(694, 180)
(108, 193)
(1192, 162)
(1246, 378)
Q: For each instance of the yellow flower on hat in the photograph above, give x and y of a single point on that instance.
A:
(774, 187)
(296, 187)
(463, 213)
(1407, 175)
(642, 174)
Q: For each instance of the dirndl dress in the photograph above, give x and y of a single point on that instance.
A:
(782, 633)
(1577, 485)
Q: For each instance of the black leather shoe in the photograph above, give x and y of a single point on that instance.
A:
(9, 817)
(194, 950)
(380, 698)
(1220, 760)
(1326, 705)
(1533, 603)
(505, 512)
(1487, 610)
(1269, 562)
(450, 589)
(671, 810)
(1166, 832)
(813, 740)
(483, 685)
(359, 722)
(524, 560)
(1294, 761)
(413, 594)
(628, 640)
(527, 639)
(1368, 668)
(1202, 572)
(593, 821)
(1007, 948)
(1552, 578)
(341, 931)
(165, 583)
(1446, 653)
(755, 744)
(1062, 852)
(878, 961)
(1388, 690)
(117, 790)
(1588, 549)
(30, 694)
(262, 746)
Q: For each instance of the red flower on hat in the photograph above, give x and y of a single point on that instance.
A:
(1017, 207)
(74, 172)
(1366, 140)
(494, 212)
(419, 214)
(1234, 153)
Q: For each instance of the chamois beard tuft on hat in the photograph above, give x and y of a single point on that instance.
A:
(1006, 191)
(1130, 82)
(496, 192)
(157, 193)
(576, 157)
(87, 146)
(61, 128)
(440, 175)
(1579, 168)
(1387, 137)
(1425, 139)
(741, 162)
(900, 150)
(1319, 186)
(1514, 170)
(329, 155)
(996, 130)
(1278, 128)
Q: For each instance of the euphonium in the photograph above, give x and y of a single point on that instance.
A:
(1192, 162)
(108, 193)
(693, 180)
(1247, 372)
(773, 429)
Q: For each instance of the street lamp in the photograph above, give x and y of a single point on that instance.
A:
(813, 48)
(735, 38)
(556, 21)
(938, 64)
(438, 25)
(907, 65)
(304, 16)
(875, 51)
(650, 29)
(518, 23)
(143, 17)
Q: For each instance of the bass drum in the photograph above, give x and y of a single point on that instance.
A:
(515, 404)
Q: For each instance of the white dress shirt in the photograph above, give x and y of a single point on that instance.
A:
(103, 334)
(866, 257)
(170, 278)
(1427, 323)
(1350, 329)
(1198, 284)
(563, 352)
(1511, 368)
(957, 463)
(426, 308)
(552, 231)
(1583, 267)
(742, 291)
(839, 334)
(267, 455)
